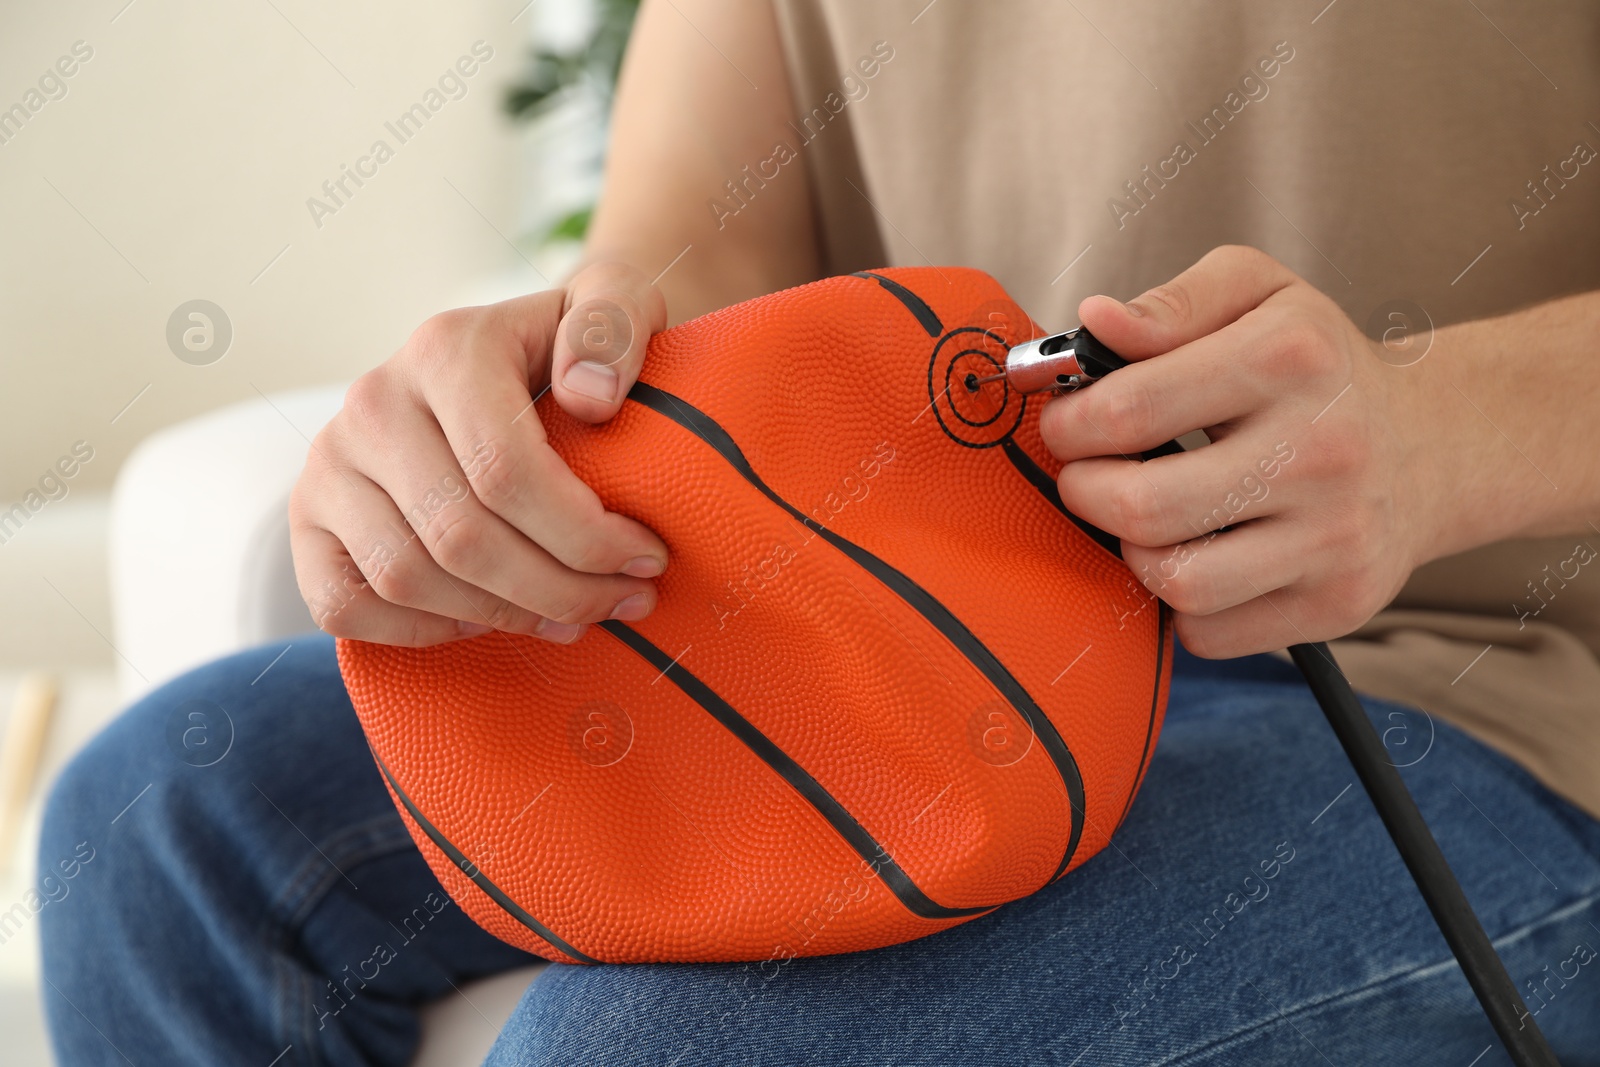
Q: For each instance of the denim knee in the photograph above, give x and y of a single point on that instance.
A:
(114, 813)
(194, 791)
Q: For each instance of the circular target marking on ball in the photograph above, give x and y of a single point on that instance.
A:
(974, 404)
(977, 416)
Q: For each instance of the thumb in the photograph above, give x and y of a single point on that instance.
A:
(1225, 284)
(610, 312)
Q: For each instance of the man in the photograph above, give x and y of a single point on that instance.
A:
(1283, 176)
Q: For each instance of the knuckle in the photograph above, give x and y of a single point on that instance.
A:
(441, 336)
(440, 330)
(1127, 414)
(300, 510)
(456, 540)
(333, 597)
(1197, 636)
(1361, 546)
(1052, 424)
(571, 606)
(1295, 348)
(367, 404)
(1360, 590)
(1356, 451)
(332, 612)
(1301, 350)
(339, 623)
(1248, 260)
(1184, 592)
(1137, 506)
(1240, 256)
(1337, 455)
(497, 479)
(1175, 298)
(1358, 598)
(590, 553)
(629, 280)
(502, 615)
(399, 581)
(614, 272)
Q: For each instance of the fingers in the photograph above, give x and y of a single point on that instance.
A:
(448, 503)
(1276, 620)
(457, 536)
(1250, 354)
(1277, 355)
(1222, 286)
(1173, 498)
(1266, 584)
(491, 428)
(1147, 404)
(343, 604)
(611, 311)
(1234, 593)
(1216, 572)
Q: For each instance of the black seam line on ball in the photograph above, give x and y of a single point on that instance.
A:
(856, 835)
(917, 598)
(472, 871)
(1163, 623)
(1047, 487)
(914, 303)
(1052, 493)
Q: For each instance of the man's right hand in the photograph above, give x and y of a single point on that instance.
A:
(432, 507)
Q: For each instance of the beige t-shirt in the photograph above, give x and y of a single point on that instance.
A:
(1437, 153)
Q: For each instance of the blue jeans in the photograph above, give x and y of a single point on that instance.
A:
(250, 893)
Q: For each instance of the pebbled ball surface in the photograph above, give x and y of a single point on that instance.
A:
(597, 792)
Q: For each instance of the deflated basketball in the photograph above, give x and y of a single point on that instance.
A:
(891, 683)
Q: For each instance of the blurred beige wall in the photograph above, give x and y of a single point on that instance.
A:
(177, 166)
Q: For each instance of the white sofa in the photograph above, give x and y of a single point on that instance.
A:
(200, 567)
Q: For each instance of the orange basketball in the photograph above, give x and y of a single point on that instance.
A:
(891, 683)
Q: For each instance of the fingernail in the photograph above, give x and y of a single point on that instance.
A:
(594, 380)
(562, 633)
(644, 567)
(632, 608)
(471, 629)
(1135, 310)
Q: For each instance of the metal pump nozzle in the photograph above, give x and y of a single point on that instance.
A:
(1060, 362)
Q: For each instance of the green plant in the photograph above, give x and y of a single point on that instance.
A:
(551, 76)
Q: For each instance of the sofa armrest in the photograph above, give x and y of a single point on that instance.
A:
(200, 567)
(200, 563)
